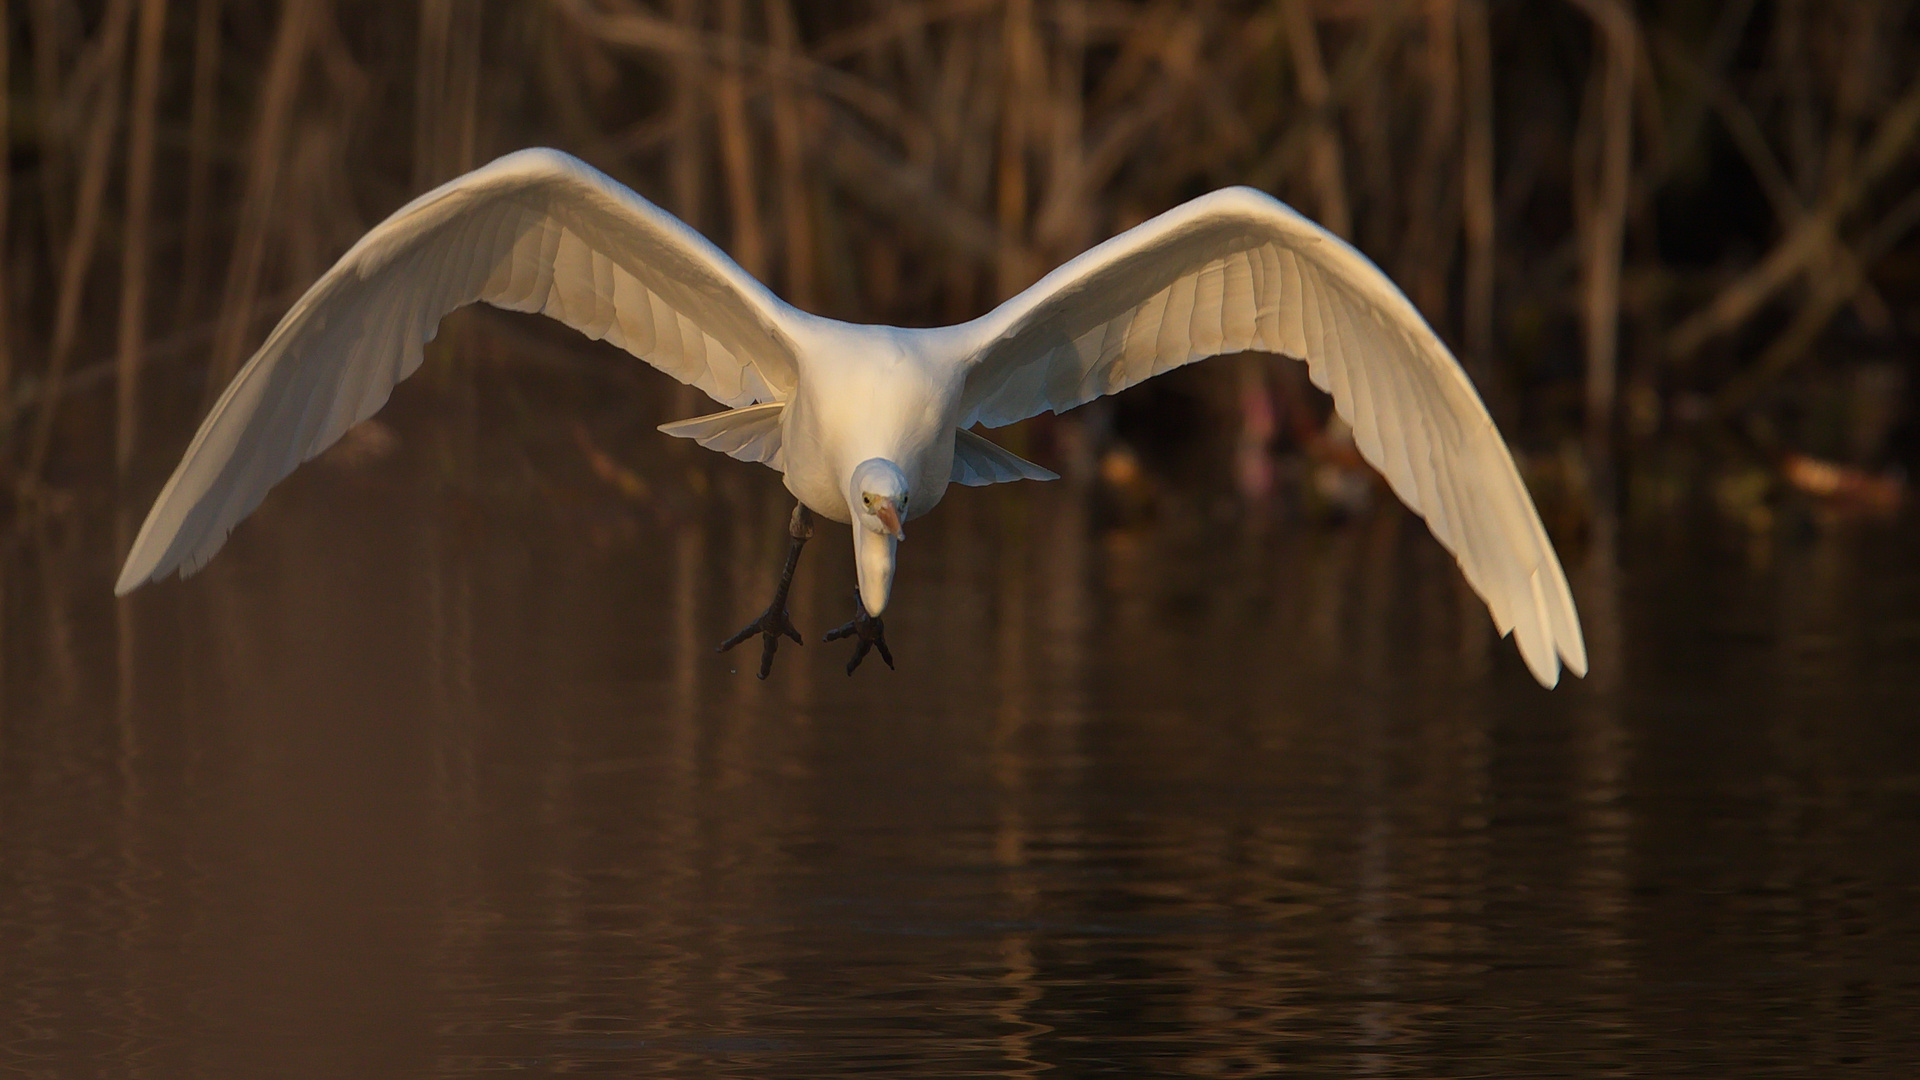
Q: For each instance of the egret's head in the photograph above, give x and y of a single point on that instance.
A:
(879, 497)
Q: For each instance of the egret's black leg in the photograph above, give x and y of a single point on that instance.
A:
(870, 632)
(774, 621)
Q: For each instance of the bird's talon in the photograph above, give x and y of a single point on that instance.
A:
(772, 623)
(870, 632)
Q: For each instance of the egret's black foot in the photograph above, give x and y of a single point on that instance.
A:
(770, 625)
(774, 621)
(870, 633)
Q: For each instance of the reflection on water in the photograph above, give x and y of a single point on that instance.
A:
(426, 776)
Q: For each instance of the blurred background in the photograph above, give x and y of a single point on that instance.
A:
(1639, 226)
(1201, 761)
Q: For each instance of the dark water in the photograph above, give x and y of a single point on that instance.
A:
(430, 776)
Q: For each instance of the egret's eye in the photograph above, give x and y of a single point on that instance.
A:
(867, 500)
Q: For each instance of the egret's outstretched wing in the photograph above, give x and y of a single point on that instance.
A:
(1237, 270)
(534, 231)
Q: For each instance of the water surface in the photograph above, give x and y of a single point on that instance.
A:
(435, 772)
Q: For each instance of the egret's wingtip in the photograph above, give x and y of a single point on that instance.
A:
(1573, 660)
(1547, 674)
(137, 571)
(1575, 655)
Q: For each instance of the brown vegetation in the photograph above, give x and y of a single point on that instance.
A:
(1669, 206)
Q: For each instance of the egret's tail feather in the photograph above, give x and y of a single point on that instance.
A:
(749, 434)
(978, 462)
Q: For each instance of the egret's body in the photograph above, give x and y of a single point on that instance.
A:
(869, 392)
(869, 424)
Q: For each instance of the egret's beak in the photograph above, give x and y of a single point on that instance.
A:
(889, 516)
(873, 559)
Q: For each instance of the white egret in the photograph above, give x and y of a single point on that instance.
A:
(870, 424)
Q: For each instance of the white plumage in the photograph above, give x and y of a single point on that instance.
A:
(817, 399)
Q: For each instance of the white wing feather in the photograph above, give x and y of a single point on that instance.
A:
(750, 434)
(1237, 270)
(978, 462)
(534, 231)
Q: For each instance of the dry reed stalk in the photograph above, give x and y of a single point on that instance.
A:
(1326, 165)
(1830, 293)
(687, 72)
(1761, 161)
(446, 91)
(687, 95)
(1360, 64)
(201, 110)
(958, 119)
(1602, 231)
(429, 87)
(1767, 170)
(6, 203)
(133, 250)
(189, 341)
(790, 158)
(96, 162)
(878, 178)
(975, 167)
(52, 25)
(947, 97)
(1836, 158)
(900, 22)
(736, 143)
(1225, 132)
(1858, 71)
(1174, 47)
(1730, 309)
(1478, 218)
(1370, 118)
(1805, 247)
(641, 139)
(1140, 44)
(1064, 224)
(1793, 66)
(1359, 86)
(1691, 111)
(571, 66)
(636, 28)
(1019, 97)
(465, 73)
(314, 180)
(1432, 217)
(264, 159)
(463, 76)
(910, 60)
(639, 28)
